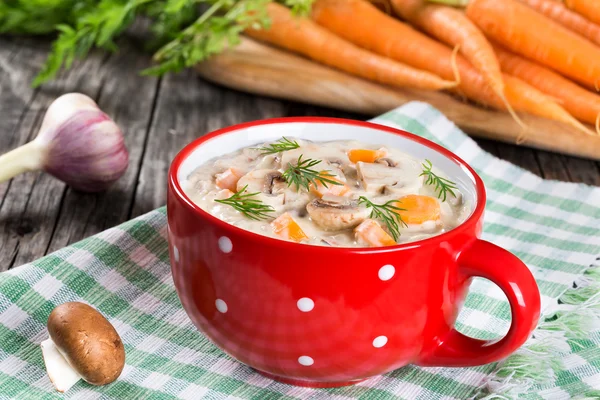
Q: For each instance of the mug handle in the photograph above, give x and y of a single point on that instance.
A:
(486, 260)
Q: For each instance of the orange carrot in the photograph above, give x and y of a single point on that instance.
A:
(228, 179)
(319, 189)
(526, 32)
(451, 26)
(521, 94)
(365, 155)
(418, 208)
(582, 104)
(391, 38)
(369, 233)
(558, 12)
(303, 36)
(588, 8)
(285, 227)
(224, 194)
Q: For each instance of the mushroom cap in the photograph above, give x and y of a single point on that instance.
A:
(335, 213)
(88, 341)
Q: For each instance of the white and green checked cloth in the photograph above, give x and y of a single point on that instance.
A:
(124, 272)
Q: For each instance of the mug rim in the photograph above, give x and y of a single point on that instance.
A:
(177, 190)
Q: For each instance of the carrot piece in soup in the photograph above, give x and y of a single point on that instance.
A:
(418, 208)
(369, 233)
(228, 179)
(365, 155)
(286, 228)
(319, 189)
(224, 194)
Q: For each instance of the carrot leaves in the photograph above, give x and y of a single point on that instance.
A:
(184, 31)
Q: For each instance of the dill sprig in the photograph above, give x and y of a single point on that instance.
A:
(245, 203)
(302, 174)
(215, 30)
(387, 213)
(442, 186)
(189, 31)
(283, 144)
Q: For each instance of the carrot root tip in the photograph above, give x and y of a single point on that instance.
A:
(454, 64)
(522, 137)
(575, 123)
(514, 115)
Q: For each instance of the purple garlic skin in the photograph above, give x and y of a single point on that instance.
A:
(82, 146)
(86, 151)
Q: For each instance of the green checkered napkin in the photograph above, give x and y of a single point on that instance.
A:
(124, 272)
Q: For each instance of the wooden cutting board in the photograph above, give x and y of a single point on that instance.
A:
(260, 69)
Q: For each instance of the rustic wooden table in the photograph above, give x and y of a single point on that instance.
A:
(39, 214)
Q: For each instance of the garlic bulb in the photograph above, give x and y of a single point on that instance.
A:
(77, 144)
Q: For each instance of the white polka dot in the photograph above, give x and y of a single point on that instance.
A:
(225, 244)
(306, 361)
(380, 341)
(305, 304)
(386, 272)
(176, 253)
(221, 306)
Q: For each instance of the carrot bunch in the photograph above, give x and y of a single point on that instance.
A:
(540, 57)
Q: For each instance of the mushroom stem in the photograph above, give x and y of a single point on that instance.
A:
(28, 157)
(61, 374)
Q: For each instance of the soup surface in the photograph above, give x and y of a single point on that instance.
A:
(338, 193)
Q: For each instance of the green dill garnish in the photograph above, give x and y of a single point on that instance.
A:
(245, 203)
(185, 32)
(442, 186)
(387, 213)
(218, 28)
(283, 144)
(301, 174)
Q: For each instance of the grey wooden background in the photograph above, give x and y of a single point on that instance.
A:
(39, 214)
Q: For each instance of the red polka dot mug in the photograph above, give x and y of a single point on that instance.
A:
(324, 316)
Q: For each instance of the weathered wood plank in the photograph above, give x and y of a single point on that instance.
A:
(129, 99)
(186, 109)
(32, 202)
(552, 166)
(19, 117)
(522, 156)
(14, 102)
(293, 109)
(583, 171)
(488, 145)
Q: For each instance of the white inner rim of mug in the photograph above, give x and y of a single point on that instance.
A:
(325, 132)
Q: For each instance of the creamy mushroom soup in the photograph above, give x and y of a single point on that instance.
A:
(338, 193)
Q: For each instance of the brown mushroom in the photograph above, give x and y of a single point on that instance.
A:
(274, 182)
(386, 161)
(335, 213)
(268, 183)
(390, 177)
(88, 342)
